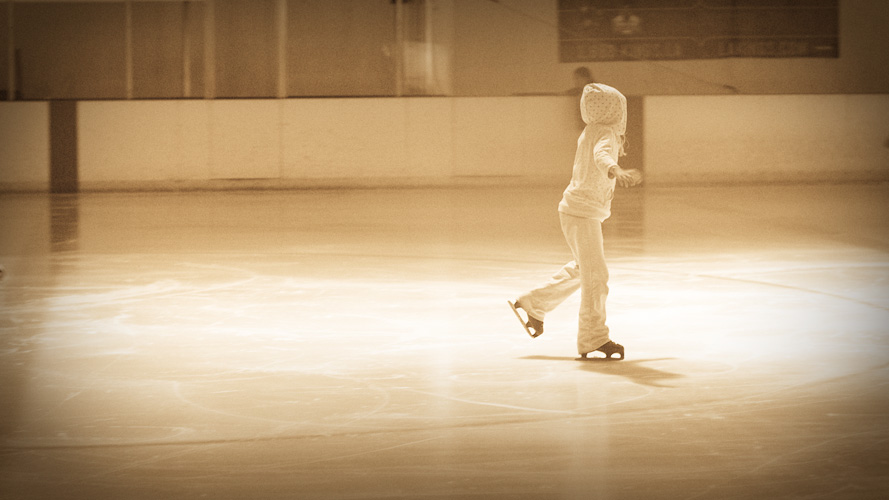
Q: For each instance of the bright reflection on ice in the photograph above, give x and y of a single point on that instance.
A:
(321, 344)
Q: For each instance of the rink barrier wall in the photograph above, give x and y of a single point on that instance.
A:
(392, 142)
(357, 142)
(766, 139)
(24, 146)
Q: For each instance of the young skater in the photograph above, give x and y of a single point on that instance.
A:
(585, 204)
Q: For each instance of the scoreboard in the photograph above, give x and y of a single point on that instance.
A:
(608, 30)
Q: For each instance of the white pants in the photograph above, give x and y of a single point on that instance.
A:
(588, 272)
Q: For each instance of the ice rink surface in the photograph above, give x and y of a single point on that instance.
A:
(358, 345)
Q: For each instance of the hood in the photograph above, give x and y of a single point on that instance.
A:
(604, 105)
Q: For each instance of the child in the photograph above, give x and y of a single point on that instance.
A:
(585, 204)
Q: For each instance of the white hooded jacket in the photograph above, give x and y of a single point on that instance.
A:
(589, 194)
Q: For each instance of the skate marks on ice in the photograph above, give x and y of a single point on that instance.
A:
(633, 370)
(233, 374)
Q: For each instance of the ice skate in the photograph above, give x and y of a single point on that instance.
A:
(533, 326)
(609, 349)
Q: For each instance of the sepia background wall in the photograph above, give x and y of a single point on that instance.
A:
(307, 93)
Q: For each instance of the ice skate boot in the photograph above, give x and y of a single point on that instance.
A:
(533, 326)
(609, 349)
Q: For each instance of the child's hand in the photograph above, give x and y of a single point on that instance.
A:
(627, 178)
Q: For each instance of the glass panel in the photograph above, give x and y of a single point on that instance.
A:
(341, 47)
(4, 50)
(246, 48)
(71, 50)
(167, 49)
(418, 50)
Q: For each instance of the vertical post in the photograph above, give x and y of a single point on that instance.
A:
(636, 119)
(429, 81)
(128, 47)
(63, 164)
(281, 18)
(209, 49)
(399, 48)
(10, 29)
(186, 50)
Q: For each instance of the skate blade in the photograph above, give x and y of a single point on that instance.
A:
(615, 356)
(522, 321)
(598, 359)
